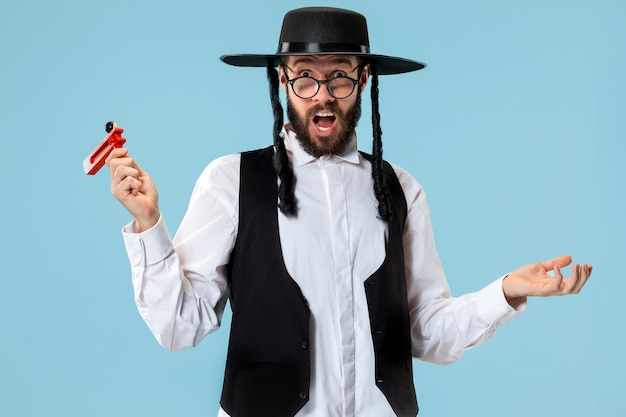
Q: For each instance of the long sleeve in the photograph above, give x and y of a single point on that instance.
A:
(442, 327)
(180, 285)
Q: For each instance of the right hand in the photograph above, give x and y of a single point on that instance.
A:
(134, 188)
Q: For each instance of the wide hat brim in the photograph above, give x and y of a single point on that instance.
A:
(325, 31)
(385, 65)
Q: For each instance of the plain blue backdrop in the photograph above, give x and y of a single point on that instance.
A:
(516, 129)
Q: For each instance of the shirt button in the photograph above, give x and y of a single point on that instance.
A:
(305, 344)
(303, 395)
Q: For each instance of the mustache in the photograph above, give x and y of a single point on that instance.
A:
(330, 107)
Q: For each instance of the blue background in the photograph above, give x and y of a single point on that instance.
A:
(516, 129)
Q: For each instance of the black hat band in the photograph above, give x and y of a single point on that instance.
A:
(321, 48)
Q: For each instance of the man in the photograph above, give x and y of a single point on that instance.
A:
(326, 254)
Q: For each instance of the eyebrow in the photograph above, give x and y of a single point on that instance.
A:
(308, 60)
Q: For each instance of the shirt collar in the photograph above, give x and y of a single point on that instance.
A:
(301, 157)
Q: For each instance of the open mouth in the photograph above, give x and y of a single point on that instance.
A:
(324, 121)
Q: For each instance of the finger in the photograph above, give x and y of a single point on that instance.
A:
(128, 185)
(129, 162)
(115, 154)
(573, 280)
(123, 171)
(125, 180)
(561, 261)
(585, 274)
(557, 280)
(116, 163)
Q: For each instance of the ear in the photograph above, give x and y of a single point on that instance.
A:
(365, 75)
(281, 77)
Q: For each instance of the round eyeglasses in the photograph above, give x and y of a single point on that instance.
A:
(339, 87)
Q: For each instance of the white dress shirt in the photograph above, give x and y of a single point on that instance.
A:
(330, 249)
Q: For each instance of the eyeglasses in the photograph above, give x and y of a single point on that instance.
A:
(339, 87)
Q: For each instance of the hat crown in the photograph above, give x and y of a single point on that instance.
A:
(324, 27)
(325, 31)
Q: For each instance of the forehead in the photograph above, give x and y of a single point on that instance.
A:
(322, 60)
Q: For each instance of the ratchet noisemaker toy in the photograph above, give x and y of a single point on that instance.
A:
(96, 158)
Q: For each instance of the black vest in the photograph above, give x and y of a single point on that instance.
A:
(268, 366)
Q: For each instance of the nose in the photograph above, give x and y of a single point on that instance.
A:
(323, 94)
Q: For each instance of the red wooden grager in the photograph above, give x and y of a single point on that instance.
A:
(114, 139)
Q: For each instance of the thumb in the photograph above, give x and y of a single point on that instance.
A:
(562, 260)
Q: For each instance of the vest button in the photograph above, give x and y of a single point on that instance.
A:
(303, 395)
(305, 344)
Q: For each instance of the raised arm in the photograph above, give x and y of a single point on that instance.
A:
(180, 284)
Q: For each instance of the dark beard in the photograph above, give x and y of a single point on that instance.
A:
(350, 119)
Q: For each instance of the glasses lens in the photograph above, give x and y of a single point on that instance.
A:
(341, 87)
(305, 87)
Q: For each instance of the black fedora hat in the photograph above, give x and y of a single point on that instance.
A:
(325, 31)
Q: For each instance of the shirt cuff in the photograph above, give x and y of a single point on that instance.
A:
(148, 247)
(493, 307)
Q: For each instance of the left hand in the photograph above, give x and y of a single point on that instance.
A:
(533, 280)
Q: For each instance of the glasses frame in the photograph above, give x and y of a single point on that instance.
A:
(355, 82)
